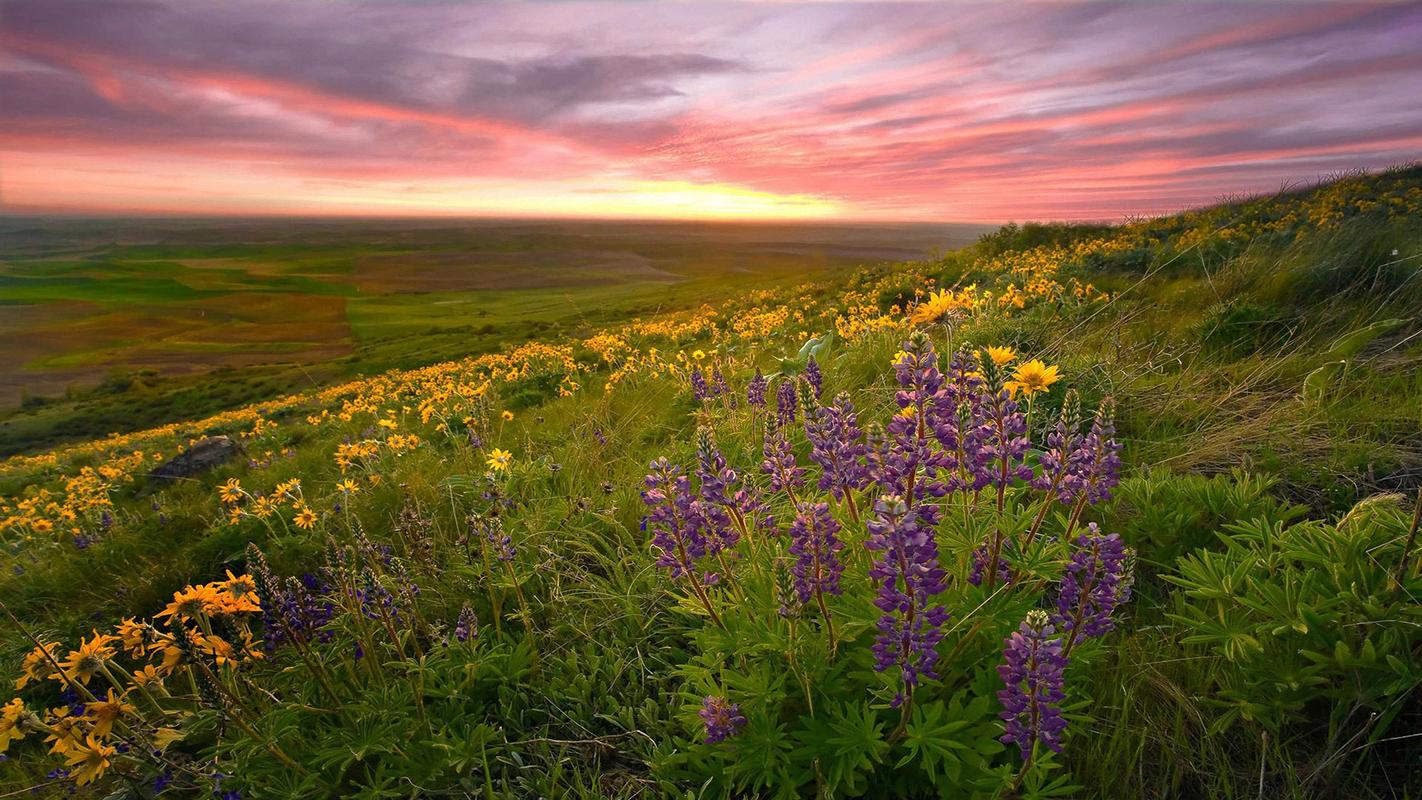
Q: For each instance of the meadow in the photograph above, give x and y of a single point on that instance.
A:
(117, 324)
(1072, 511)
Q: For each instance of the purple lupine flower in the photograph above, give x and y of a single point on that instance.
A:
(718, 382)
(816, 549)
(501, 542)
(997, 440)
(838, 447)
(909, 576)
(699, 389)
(909, 464)
(980, 565)
(293, 610)
(723, 719)
(785, 402)
(779, 464)
(724, 504)
(1094, 468)
(1063, 440)
(672, 517)
(814, 376)
(1033, 672)
(755, 391)
(467, 626)
(1093, 585)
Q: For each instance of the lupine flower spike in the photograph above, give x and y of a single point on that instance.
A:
(723, 719)
(817, 567)
(755, 391)
(1033, 672)
(909, 576)
(1094, 584)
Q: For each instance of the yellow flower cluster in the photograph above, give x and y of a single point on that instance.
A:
(136, 679)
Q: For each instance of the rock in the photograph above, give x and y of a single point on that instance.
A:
(205, 455)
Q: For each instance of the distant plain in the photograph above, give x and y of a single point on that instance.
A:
(96, 307)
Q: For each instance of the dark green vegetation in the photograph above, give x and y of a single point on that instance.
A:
(1266, 363)
(121, 324)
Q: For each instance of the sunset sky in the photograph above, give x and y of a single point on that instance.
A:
(948, 112)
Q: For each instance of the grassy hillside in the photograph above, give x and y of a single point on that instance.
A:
(1139, 499)
(115, 325)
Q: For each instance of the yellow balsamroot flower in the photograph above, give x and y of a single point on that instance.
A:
(507, 415)
(36, 666)
(10, 716)
(238, 594)
(937, 306)
(499, 459)
(193, 602)
(1033, 377)
(231, 491)
(136, 637)
(89, 760)
(305, 518)
(699, 355)
(103, 713)
(347, 486)
(148, 676)
(81, 665)
(1002, 356)
(63, 733)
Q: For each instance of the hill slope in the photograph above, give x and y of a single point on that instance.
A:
(862, 565)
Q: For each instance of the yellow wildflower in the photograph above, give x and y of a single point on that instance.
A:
(1001, 356)
(1033, 377)
(89, 760)
(305, 517)
(499, 459)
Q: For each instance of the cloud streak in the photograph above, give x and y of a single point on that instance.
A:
(922, 111)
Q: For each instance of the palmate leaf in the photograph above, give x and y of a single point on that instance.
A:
(944, 738)
(847, 740)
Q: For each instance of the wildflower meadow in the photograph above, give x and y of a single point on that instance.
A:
(1077, 511)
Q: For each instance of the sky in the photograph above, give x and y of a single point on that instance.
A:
(838, 111)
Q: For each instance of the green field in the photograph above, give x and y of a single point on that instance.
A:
(116, 324)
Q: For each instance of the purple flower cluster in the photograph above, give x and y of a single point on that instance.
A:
(779, 464)
(718, 383)
(996, 442)
(909, 464)
(699, 389)
(1094, 467)
(785, 402)
(1093, 585)
(295, 611)
(755, 390)
(499, 542)
(673, 518)
(815, 377)
(1063, 440)
(838, 447)
(980, 566)
(466, 627)
(908, 575)
(723, 719)
(1033, 674)
(704, 390)
(723, 506)
(816, 549)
